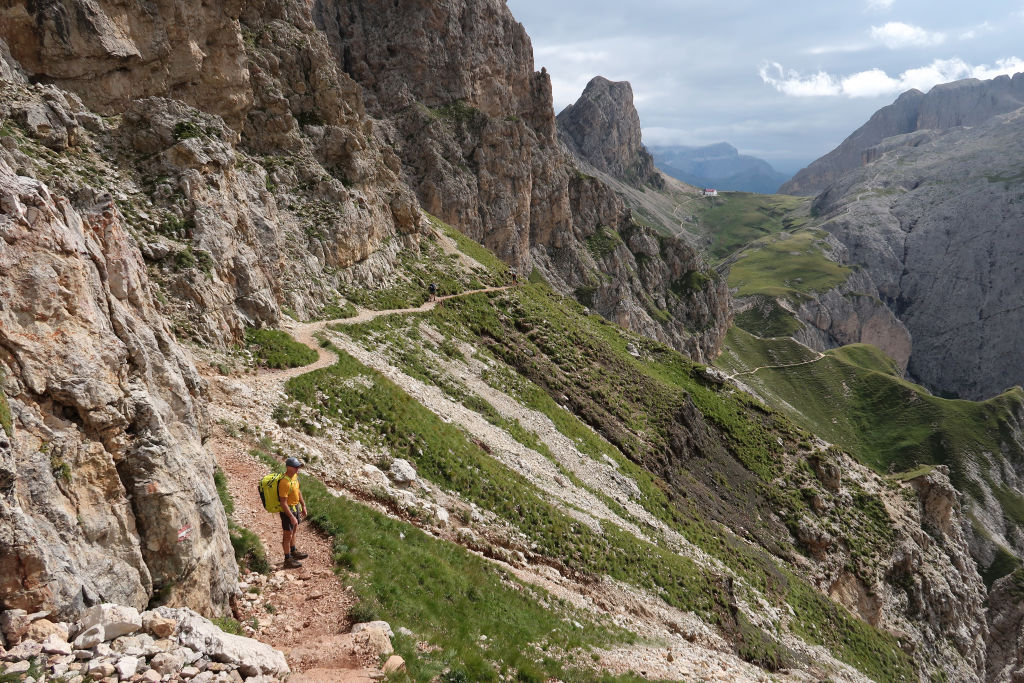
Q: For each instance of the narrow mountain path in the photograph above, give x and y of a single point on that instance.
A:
(777, 367)
(302, 612)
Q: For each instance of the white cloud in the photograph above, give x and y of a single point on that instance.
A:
(879, 5)
(896, 35)
(876, 82)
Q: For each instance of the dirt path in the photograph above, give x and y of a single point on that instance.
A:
(778, 367)
(302, 612)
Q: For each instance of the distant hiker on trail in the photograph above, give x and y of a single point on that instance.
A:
(433, 291)
(515, 276)
(291, 501)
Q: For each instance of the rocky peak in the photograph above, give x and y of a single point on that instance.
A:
(968, 102)
(603, 129)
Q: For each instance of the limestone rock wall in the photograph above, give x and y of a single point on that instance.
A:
(936, 226)
(475, 130)
(105, 491)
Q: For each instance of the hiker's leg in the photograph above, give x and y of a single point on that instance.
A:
(286, 534)
(295, 531)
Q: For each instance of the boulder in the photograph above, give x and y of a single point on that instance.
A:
(116, 620)
(167, 663)
(90, 637)
(161, 627)
(395, 664)
(374, 641)
(24, 650)
(43, 628)
(381, 625)
(402, 472)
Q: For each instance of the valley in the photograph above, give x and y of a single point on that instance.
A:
(562, 416)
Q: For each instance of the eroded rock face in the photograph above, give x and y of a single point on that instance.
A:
(113, 51)
(603, 127)
(936, 225)
(475, 130)
(969, 102)
(107, 493)
(853, 314)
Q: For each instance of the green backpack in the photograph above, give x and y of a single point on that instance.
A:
(268, 488)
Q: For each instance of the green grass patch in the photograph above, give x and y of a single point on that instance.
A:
(788, 266)
(277, 349)
(853, 397)
(496, 268)
(604, 241)
(249, 552)
(868, 357)
(768, 319)
(6, 420)
(738, 218)
(743, 352)
(450, 598)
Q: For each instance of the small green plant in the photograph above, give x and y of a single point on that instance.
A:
(228, 625)
(269, 607)
(60, 468)
(6, 421)
(183, 130)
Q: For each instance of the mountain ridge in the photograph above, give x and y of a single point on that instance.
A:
(719, 166)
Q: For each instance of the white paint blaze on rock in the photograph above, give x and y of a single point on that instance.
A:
(116, 620)
(402, 471)
(250, 656)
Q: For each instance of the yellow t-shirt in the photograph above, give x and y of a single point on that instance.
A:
(288, 490)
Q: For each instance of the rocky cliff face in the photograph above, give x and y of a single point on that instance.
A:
(105, 491)
(190, 171)
(474, 127)
(968, 102)
(935, 224)
(603, 128)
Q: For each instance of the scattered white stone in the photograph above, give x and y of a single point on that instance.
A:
(151, 676)
(442, 515)
(127, 666)
(89, 638)
(18, 667)
(167, 663)
(252, 657)
(55, 645)
(380, 625)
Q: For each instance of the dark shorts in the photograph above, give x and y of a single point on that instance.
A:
(286, 522)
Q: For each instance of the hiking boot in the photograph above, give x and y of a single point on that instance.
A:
(299, 555)
(291, 563)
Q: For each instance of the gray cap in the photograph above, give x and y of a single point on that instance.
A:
(293, 462)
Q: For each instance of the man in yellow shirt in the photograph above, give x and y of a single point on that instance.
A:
(290, 495)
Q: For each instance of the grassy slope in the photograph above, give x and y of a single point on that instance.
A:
(705, 459)
(737, 218)
(855, 398)
(789, 265)
(664, 391)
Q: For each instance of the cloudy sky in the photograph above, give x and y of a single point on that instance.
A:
(786, 81)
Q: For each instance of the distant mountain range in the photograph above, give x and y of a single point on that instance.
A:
(720, 166)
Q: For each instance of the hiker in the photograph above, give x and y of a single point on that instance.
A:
(291, 501)
(515, 276)
(433, 291)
